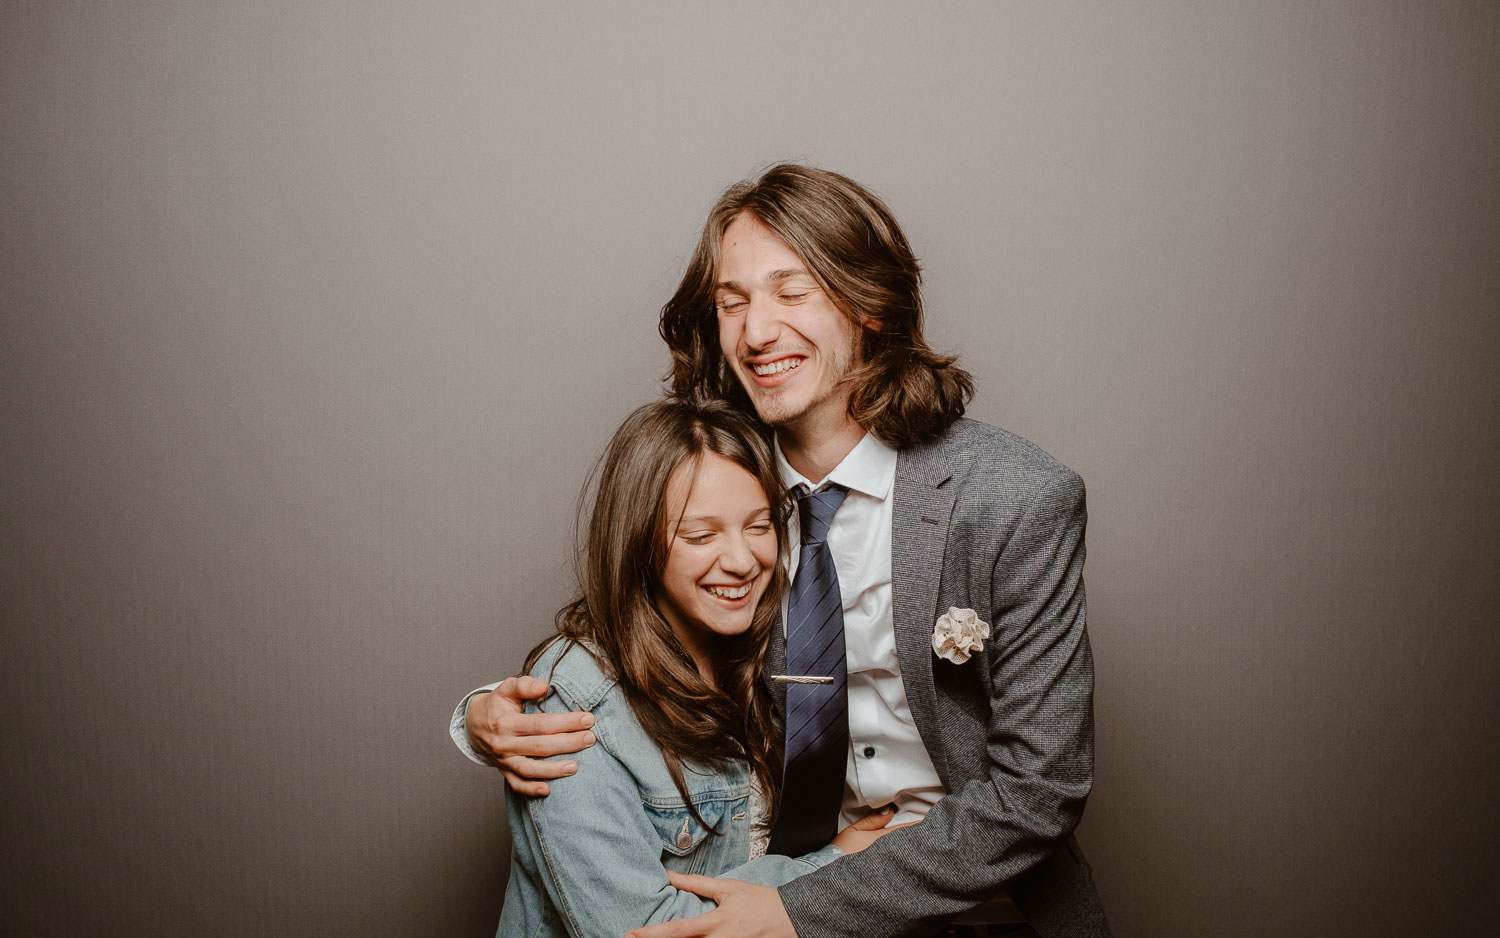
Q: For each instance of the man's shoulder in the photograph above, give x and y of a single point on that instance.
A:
(576, 672)
(981, 452)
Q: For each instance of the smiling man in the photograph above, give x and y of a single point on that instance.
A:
(935, 657)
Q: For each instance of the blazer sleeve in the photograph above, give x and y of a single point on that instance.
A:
(1038, 751)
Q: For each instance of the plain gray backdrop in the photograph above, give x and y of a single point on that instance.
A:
(315, 315)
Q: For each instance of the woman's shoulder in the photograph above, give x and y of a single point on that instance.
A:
(577, 672)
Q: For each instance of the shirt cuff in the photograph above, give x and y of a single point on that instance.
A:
(459, 731)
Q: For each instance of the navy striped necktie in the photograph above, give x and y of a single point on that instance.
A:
(817, 715)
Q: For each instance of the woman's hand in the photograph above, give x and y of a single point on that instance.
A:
(867, 830)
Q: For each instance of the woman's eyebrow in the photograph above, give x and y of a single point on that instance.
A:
(710, 519)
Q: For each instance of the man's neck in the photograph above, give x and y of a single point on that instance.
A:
(815, 451)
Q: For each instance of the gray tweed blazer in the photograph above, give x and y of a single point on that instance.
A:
(983, 520)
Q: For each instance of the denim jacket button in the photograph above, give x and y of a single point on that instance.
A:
(684, 839)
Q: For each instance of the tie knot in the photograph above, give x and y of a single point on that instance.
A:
(815, 511)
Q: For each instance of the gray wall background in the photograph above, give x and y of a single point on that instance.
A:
(315, 314)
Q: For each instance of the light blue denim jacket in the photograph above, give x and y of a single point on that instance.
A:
(591, 858)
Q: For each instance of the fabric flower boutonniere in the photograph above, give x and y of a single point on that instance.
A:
(959, 634)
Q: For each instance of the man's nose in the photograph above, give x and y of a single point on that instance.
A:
(762, 323)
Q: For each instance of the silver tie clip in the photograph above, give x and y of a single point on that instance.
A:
(800, 679)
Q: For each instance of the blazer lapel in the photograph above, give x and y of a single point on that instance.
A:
(920, 517)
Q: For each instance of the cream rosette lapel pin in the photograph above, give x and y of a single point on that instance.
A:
(959, 634)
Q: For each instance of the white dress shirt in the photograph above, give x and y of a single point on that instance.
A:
(887, 762)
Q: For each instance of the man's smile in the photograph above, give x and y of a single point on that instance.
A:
(777, 367)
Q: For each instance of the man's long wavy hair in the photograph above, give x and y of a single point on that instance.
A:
(621, 555)
(903, 391)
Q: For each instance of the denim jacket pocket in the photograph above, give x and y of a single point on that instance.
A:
(680, 832)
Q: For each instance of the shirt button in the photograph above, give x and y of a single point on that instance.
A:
(869, 752)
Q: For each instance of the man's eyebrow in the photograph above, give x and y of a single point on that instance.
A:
(776, 276)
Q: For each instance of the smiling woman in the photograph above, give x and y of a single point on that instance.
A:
(680, 575)
(722, 555)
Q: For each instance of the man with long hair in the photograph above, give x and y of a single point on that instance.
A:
(936, 657)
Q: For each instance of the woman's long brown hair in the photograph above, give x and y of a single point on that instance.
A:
(622, 553)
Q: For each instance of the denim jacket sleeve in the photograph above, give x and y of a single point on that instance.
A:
(776, 870)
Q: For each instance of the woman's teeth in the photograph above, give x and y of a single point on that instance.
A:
(729, 592)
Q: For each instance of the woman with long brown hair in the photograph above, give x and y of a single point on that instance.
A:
(679, 577)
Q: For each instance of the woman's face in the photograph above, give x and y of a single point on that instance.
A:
(720, 552)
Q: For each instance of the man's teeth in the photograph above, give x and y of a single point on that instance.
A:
(730, 592)
(777, 367)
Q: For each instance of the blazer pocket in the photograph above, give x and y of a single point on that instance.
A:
(680, 832)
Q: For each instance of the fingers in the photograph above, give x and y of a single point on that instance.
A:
(501, 715)
(522, 688)
(680, 928)
(875, 820)
(528, 776)
(705, 886)
(496, 729)
(524, 786)
(547, 724)
(537, 769)
(505, 746)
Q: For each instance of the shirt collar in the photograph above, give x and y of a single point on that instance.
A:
(870, 468)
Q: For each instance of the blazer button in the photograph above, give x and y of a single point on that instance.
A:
(869, 752)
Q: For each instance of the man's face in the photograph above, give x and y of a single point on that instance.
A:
(780, 332)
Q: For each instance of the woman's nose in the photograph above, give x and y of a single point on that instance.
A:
(737, 557)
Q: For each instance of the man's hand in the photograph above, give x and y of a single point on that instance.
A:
(511, 739)
(746, 910)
